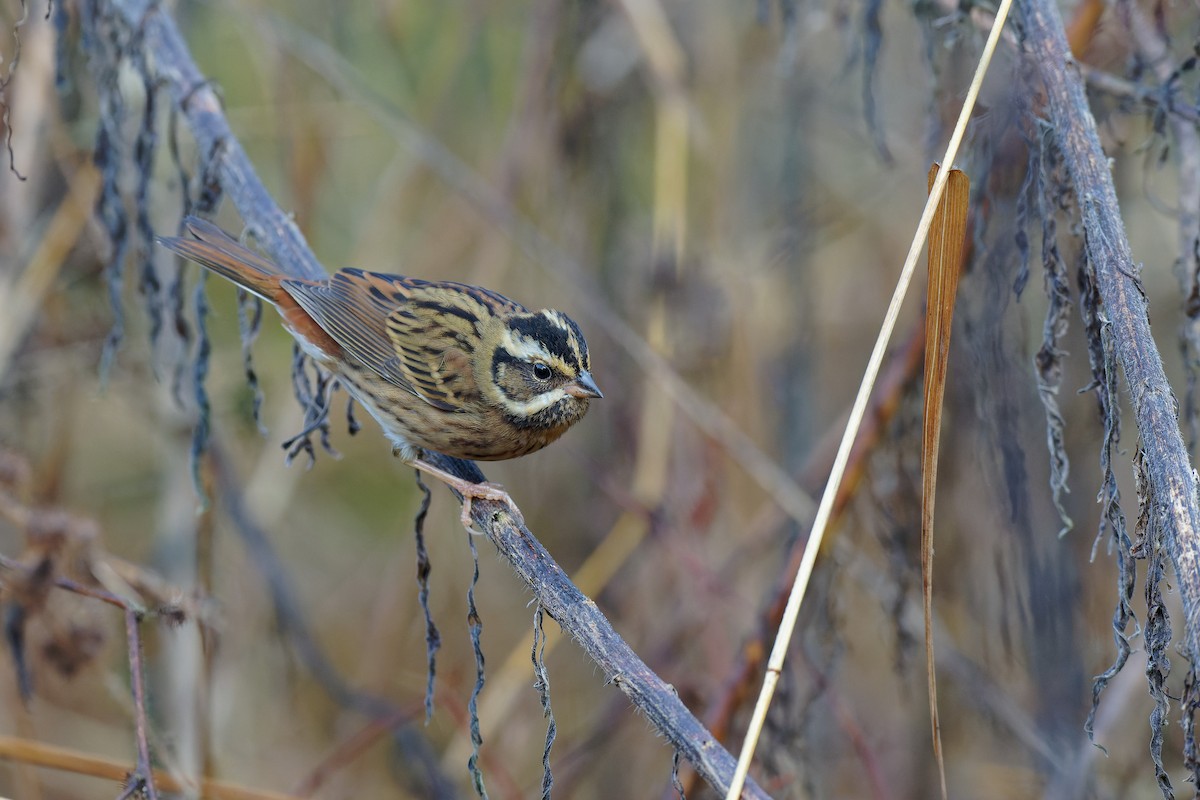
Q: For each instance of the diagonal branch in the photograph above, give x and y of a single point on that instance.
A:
(1172, 489)
(579, 615)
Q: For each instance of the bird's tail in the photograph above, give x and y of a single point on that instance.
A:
(215, 249)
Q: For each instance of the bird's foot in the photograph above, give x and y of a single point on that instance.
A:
(469, 490)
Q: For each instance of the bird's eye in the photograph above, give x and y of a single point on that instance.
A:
(541, 372)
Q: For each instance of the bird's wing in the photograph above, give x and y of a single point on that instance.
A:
(418, 335)
(438, 332)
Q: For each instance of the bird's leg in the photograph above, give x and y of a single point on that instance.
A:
(469, 491)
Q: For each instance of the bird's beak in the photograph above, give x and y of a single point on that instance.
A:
(584, 386)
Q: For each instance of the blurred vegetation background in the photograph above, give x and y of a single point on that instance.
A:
(721, 182)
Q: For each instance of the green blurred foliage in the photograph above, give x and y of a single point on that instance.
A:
(792, 231)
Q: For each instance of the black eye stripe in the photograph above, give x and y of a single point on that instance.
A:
(501, 356)
(551, 335)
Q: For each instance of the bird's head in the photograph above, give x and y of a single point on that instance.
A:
(537, 371)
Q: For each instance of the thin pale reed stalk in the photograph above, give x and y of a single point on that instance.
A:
(791, 614)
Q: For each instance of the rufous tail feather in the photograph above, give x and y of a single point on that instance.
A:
(214, 249)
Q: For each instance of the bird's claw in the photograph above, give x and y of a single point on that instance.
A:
(480, 491)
